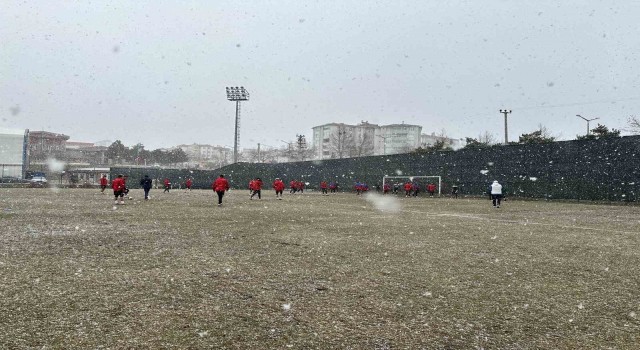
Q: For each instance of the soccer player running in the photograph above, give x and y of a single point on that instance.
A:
(252, 184)
(278, 186)
(220, 186)
(146, 186)
(257, 188)
(167, 185)
(188, 185)
(293, 185)
(118, 186)
(496, 194)
(103, 183)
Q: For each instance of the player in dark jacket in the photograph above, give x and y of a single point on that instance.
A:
(146, 184)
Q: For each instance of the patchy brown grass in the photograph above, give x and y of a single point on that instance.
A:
(314, 272)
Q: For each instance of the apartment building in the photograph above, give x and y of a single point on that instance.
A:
(339, 140)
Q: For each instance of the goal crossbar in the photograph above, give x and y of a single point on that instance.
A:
(411, 178)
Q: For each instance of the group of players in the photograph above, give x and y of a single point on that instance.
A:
(221, 185)
(120, 189)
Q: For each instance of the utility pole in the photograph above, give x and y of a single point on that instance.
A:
(587, 120)
(506, 133)
(302, 146)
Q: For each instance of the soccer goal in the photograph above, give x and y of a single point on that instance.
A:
(422, 181)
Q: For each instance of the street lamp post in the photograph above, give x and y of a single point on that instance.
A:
(506, 133)
(237, 94)
(587, 120)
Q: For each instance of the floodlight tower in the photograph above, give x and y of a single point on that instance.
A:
(587, 120)
(237, 94)
(506, 134)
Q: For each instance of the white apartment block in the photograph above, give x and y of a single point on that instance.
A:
(339, 140)
(205, 152)
(399, 138)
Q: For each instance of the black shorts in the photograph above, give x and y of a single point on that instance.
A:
(118, 193)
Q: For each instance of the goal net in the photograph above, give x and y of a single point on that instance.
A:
(397, 182)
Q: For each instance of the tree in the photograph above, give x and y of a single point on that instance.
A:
(177, 155)
(634, 124)
(599, 132)
(159, 156)
(484, 140)
(542, 135)
(439, 145)
(117, 152)
(341, 142)
(363, 144)
(136, 153)
(487, 138)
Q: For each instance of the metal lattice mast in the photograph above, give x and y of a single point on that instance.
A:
(237, 94)
(236, 142)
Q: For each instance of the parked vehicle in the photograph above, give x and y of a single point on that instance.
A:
(38, 181)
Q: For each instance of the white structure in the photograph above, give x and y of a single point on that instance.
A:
(399, 138)
(13, 153)
(339, 140)
(205, 152)
(430, 140)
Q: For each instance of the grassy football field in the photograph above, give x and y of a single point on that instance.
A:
(315, 272)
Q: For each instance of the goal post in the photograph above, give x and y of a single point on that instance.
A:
(420, 179)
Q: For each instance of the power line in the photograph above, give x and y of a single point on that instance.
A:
(578, 103)
(488, 115)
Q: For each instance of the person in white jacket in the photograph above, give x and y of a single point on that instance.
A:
(496, 194)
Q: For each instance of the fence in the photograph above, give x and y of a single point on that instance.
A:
(605, 169)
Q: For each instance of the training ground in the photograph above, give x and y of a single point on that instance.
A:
(315, 272)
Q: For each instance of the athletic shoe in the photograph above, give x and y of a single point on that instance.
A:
(498, 207)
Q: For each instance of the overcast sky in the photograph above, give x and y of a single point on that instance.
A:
(155, 72)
